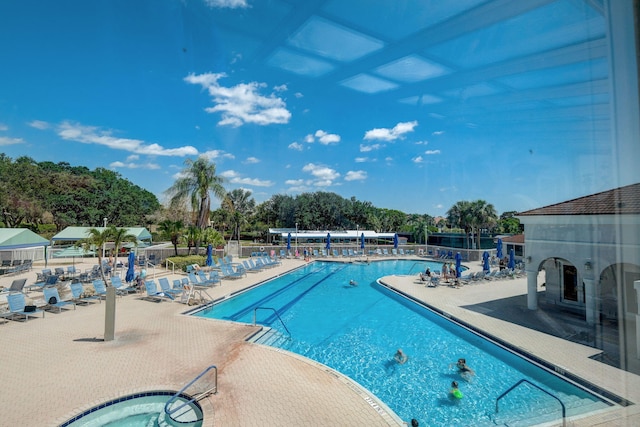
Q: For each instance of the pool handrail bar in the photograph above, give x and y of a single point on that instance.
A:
(564, 409)
(213, 390)
(255, 310)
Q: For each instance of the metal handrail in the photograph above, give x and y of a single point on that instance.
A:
(255, 310)
(214, 389)
(564, 409)
(173, 265)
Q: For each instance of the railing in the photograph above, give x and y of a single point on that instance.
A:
(173, 265)
(169, 411)
(564, 410)
(255, 310)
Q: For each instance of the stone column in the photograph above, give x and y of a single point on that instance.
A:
(532, 288)
(591, 310)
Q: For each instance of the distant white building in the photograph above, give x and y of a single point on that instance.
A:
(589, 251)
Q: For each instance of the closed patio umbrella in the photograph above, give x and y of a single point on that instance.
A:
(395, 241)
(512, 260)
(458, 264)
(328, 246)
(289, 241)
(362, 241)
(499, 253)
(485, 262)
(209, 260)
(131, 268)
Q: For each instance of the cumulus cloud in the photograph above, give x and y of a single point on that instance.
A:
(418, 159)
(323, 176)
(295, 146)
(309, 139)
(133, 165)
(422, 142)
(236, 178)
(281, 88)
(251, 161)
(217, 154)
(355, 176)
(93, 135)
(372, 147)
(327, 138)
(227, 4)
(361, 159)
(296, 182)
(242, 103)
(385, 134)
(438, 132)
(432, 152)
(5, 140)
(39, 124)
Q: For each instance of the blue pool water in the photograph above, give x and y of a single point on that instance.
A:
(357, 330)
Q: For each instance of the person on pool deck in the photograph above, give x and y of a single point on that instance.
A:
(455, 391)
(400, 357)
(465, 371)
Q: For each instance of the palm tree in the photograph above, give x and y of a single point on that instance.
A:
(193, 236)
(173, 230)
(198, 179)
(96, 240)
(119, 236)
(472, 215)
(241, 205)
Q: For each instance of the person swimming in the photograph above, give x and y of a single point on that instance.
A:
(400, 357)
(353, 282)
(455, 391)
(465, 371)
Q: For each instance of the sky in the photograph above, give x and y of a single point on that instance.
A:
(409, 104)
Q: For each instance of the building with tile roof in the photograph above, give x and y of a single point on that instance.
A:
(588, 251)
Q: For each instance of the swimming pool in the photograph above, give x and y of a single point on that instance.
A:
(141, 409)
(357, 329)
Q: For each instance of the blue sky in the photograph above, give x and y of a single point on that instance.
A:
(411, 105)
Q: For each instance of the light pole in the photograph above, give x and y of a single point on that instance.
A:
(296, 239)
(104, 250)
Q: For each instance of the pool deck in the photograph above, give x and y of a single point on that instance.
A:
(59, 366)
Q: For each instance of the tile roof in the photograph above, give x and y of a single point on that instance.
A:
(619, 201)
(516, 238)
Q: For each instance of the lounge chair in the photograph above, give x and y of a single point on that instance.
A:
(79, 297)
(153, 294)
(18, 308)
(122, 288)
(100, 288)
(249, 268)
(16, 286)
(166, 287)
(53, 300)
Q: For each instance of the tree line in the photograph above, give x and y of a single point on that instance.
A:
(33, 194)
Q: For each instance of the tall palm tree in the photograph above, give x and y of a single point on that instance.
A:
(240, 203)
(173, 230)
(196, 183)
(119, 236)
(472, 215)
(95, 241)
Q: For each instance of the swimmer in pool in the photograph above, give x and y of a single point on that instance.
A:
(353, 282)
(465, 371)
(400, 357)
(455, 391)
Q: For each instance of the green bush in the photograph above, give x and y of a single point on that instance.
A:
(181, 262)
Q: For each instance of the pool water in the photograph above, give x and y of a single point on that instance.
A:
(356, 330)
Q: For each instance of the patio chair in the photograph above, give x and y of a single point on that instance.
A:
(100, 288)
(166, 287)
(18, 309)
(153, 294)
(16, 286)
(53, 300)
(121, 287)
(79, 297)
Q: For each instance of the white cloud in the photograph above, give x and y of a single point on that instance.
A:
(217, 154)
(229, 4)
(388, 159)
(392, 134)
(298, 95)
(133, 165)
(39, 124)
(438, 132)
(133, 158)
(355, 176)
(3, 127)
(439, 206)
(323, 176)
(296, 182)
(94, 135)
(422, 142)
(432, 152)
(242, 103)
(295, 146)
(309, 139)
(418, 159)
(281, 88)
(5, 140)
(236, 178)
(361, 159)
(251, 161)
(372, 147)
(327, 138)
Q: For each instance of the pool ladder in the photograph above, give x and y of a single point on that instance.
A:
(564, 409)
(169, 411)
(255, 311)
